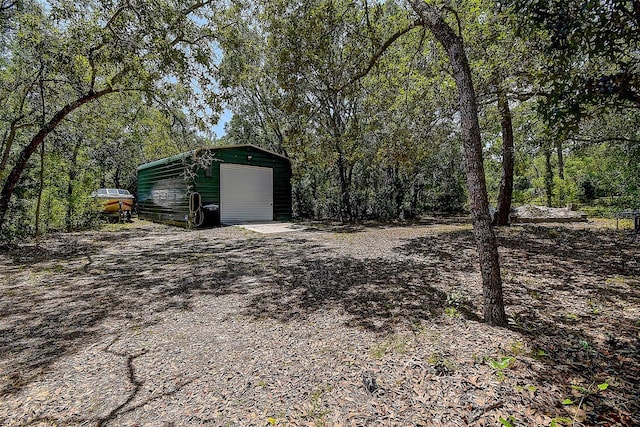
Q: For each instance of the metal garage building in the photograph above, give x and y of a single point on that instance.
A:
(228, 185)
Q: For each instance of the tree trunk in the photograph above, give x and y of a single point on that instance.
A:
(493, 309)
(398, 193)
(561, 190)
(508, 159)
(345, 184)
(414, 199)
(38, 138)
(40, 189)
(116, 178)
(560, 160)
(41, 175)
(7, 144)
(548, 177)
(73, 173)
(69, 216)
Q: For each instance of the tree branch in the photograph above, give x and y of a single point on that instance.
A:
(6, 6)
(455, 14)
(379, 53)
(195, 7)
(46, 129)
(604, 140)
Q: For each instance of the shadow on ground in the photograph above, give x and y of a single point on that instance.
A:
(572, 294)
(575, 296)
(361, 226)
(59, 302)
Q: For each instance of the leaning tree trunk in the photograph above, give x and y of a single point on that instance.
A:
(38, 138)
(493, 309)
(508, 158)
(40, 190)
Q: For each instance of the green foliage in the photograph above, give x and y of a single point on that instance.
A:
(516, 348)
(592, 52)
(508, 422)
(560, 421)
(581, 392)
(594, 307)
(442, 364)
(396, 344)
(539, 353)
(79, 159)
(500, 365)
(586, 347)
(384, 146)
(316, 411)
(146, 63)
(599, 179)
(451, 312)
(457, 299)
(359, 150)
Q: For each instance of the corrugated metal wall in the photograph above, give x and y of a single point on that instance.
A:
(163, 193)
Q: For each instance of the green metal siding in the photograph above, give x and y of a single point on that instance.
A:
(163, 193)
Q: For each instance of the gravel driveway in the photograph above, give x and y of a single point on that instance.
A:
(148, 325)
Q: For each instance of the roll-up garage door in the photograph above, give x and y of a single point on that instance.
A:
(246, 193)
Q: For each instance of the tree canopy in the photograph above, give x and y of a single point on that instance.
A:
(592, 52)
(62, 55)
(390, 110)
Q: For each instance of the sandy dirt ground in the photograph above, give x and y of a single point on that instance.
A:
(330, 325)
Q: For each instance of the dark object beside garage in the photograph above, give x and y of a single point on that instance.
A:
(211, 215)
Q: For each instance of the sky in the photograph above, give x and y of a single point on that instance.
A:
(225, 117)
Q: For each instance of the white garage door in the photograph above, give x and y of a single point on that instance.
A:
(246, 193)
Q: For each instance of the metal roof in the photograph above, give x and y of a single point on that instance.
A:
(207, 148)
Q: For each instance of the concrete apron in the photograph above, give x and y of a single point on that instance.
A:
(271, 227)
